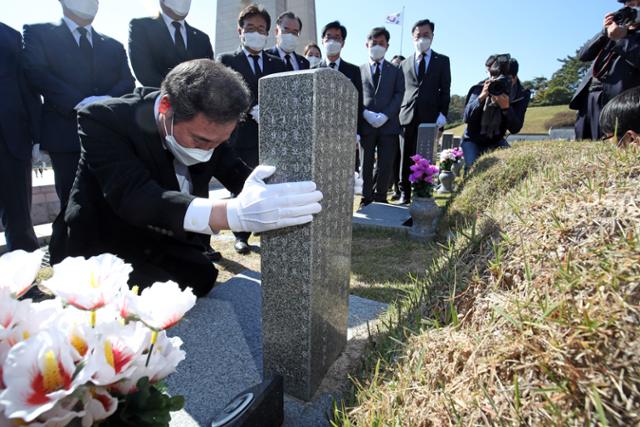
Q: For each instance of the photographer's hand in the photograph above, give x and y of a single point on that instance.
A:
(608, 20)
(485, 91)
(502, 101)
(614, 31)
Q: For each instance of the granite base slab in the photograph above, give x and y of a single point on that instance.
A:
(222, 338)
(382, 216)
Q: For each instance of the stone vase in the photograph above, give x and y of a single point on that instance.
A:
(457, 168)
(446, 182)
(425, 214)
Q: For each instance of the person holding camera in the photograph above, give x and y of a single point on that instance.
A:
(615, 52)
(494, 106)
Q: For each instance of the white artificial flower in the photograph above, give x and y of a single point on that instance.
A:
(162, 305)
(60, 415)
(33, 318)
(89, 284)
(447, 155)
(11, 312)
(99, 405)
(18, 270)
(38, 373)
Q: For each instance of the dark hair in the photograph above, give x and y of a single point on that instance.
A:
(422, 23)
(207, 87)
(400, 57)
(254, 10)
(623, 111)
(337, 26)
(377, 32)
(290, 15)
(514, 67)
(311, 46)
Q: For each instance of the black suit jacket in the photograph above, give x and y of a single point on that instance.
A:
(302, 61)
(126, 197)
(20, 106)
(424, 101)
(153, 53)
(622, 73)
(386, 98)
(245, 139)
(57, 70)
(352, 72)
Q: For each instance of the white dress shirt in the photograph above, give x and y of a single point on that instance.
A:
(426, 60)
(337, 62)
(73, 27)
(292, 56)
(172, 30)
(196, 219)
(372, 67)
(250, 59)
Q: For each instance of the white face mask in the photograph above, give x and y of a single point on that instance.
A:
(255, 41)
(422, 44)
(313, 61)
(179, 7)
(377, 52)
(85, 9)
(333, 47)
(288, 42)
(186, 156)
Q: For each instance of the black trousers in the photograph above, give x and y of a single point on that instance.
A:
(15, 200)
(65, 166)
(374, 188)
(588, 121)
(408, 144)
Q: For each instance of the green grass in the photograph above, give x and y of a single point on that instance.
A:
(533, 121)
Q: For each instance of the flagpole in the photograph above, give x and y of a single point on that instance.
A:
(402, 30)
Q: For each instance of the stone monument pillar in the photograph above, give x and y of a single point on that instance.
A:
(426, 143)
(307, 130)
(456, 141)
(447, 141)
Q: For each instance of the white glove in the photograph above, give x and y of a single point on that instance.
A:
(369, 116)
(90, 100)
(381, 119)
(441, 121)
(36, 155)
(255, 113)
(262, 207)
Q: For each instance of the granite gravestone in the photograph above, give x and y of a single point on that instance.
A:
(456, 141)
(447, 141)
(307, 128)
(426, 146)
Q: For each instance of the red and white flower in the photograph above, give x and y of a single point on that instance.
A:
(18, 270)
(38, 373)
(162, 305)
(98, 405)
(31, 318)
(61, 415)
(89, 284)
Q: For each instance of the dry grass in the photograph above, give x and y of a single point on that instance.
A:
(544, 325)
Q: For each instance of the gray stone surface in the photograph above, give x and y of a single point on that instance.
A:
(427, 143)
(223, 341)
(528, 137)
(382, 216)
(307, 128)
(447, 141)
(456, 141)
(566, 134)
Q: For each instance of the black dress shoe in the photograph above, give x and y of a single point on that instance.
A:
(396, 196)
(364, 202)
(242, 247)
(404, 200)
(212, 255)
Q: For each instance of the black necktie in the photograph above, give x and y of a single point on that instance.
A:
(421, 68)
(287, 62)
(376, 76)
(256, 66)
(85, 46)
(181, 47)
(333, 65)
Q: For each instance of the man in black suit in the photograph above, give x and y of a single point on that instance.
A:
(334, 35)
(143, 179)
(156, 45)
(615, 52)
(19, 112)
(288, 27)
(252, 63)
(71, 65)
(427, 78)
(383, 86)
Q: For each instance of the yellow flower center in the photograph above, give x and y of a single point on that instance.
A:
(79, 344)
(51, 375)
(26, 335)
(108, 353)
(92, 281)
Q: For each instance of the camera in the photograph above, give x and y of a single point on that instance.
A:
(627, 16)
(499, 67)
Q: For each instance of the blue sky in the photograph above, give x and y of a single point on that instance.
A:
(536, 32)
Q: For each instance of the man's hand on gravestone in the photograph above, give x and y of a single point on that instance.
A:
(263, 207)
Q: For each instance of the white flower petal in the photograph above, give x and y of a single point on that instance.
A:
(18, 270)
(162, 305)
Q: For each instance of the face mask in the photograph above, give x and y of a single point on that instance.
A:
(255, 41)
(85, 9)
(423, 44)
(288, 42)
(186, 156)
(313, 61)
(377, 52)
(180, 7)
(333, 47)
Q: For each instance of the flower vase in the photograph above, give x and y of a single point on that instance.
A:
(457, 167)
(446, 182)
(425, 214)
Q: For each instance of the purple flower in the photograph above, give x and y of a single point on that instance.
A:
(416, 157)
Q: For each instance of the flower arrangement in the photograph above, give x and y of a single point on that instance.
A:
(94, 354)
(422, 176)
(449, 157)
